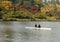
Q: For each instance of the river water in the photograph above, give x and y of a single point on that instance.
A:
(16, 32)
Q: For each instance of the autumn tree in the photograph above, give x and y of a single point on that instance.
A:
(6, 5)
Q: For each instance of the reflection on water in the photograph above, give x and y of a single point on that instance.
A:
(15, 32)
(6, 35)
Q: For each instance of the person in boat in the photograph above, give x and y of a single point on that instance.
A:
(35, 25)
(39, 26)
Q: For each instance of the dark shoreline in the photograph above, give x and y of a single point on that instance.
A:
(27, 20)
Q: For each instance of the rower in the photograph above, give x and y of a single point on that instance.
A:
(39, 26)
(35, 25)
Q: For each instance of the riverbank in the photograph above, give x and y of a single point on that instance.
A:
(23, 20)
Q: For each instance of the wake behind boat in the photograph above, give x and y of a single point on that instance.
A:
(36, 28)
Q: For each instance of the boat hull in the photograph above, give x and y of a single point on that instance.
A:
(42, 28)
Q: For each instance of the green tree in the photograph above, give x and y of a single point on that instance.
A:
(22, 2)
(38, 1)
(55, 8)
(32, 3)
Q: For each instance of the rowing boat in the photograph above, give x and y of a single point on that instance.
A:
(42, 28)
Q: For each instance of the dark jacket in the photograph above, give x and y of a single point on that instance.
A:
(35, 25)
(39, 26)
